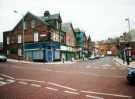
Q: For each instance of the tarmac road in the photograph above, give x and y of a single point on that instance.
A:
(92, 79)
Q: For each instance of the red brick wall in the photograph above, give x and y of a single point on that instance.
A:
(40, 27)
(70, 38)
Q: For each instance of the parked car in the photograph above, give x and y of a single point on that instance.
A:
(131, 75)
(102, 56)
(3, 58)
(92, 57)
(97, 56)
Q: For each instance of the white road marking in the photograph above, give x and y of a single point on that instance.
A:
(23, 83)
(7, 76)
(2, 83)
(84, 73)
(35, 85)
(31, 80)
(107, 94)
(70, 92)
(94, 97)
(51, 88)
(1, 78)
(58, 85)
(10, 80)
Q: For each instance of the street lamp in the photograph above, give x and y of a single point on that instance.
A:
(127, 19)
(128, 48)
(22, 30)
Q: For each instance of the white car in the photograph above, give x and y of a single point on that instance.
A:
(3, 58)
(97, 56)
(102, 56)
(92, 57)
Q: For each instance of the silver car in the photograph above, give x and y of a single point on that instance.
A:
(3, 58)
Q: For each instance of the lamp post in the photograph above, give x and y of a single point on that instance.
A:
(127, 19)
(22, 31)
(128, 48)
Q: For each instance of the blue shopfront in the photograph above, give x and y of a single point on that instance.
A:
(42, 51)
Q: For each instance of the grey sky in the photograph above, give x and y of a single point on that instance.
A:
(99, 18)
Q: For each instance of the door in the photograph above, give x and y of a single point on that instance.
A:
(49, 55)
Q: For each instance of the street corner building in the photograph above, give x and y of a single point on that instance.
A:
(44, 39)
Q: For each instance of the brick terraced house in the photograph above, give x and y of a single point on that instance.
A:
(45, 39)
(69, 50)
(41, 38)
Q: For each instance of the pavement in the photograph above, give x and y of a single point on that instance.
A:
(120, 61)
(59, 62)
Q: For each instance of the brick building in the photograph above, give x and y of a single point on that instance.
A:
(69, 49)
(42, 38)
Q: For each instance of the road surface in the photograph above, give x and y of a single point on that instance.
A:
(93, 79)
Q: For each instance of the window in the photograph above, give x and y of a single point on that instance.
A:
(8, 40)
(33, 23)
(36, 37)
(57, 24)
(19, 52)
(19, 39)
(55, 36)
(7, 52)
(24, 25)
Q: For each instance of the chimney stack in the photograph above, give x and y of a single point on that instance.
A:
(46, 13)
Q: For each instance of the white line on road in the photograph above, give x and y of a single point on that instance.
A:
(23, 83)
(35, 85)
(84, 73)
(2, 83)
(99, 75)
(10, 80)
(51, 88)
(71, 92)
(1, 78)
(58, 85)
(107, 94)
(7, 76)
(94, 97)
(31, 80)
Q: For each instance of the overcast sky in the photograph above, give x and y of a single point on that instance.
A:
(99, 18)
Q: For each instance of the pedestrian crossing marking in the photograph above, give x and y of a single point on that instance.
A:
(2, 83)
(1, 78)
(5, 81)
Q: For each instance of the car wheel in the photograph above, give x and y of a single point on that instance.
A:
(131, 82)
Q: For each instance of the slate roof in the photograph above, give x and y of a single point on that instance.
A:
(33, 16)
(43, 19)
(77, 30)
(66, 27)
(50, 17)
